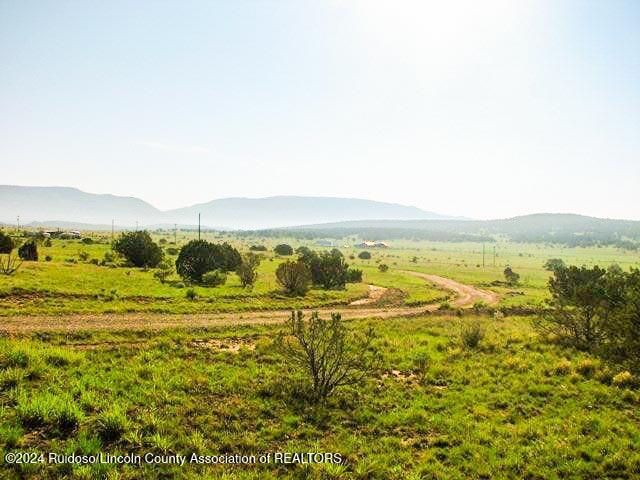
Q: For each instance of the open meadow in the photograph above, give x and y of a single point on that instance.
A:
(515, 404)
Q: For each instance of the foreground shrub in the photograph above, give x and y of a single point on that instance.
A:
(582, 302)
(139, 249)
(354, 275)
(383, 267)
(29, 251)
(6, 243)
(471, 334)
(214, 278)
(623, 379)
(295, 277)
(9, 264)
(328, 269)
(330, 355)
(190, 294)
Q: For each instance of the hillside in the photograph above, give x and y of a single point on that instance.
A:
(62, 205)
(568, 229)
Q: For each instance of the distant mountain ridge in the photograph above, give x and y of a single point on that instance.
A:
(66, 205)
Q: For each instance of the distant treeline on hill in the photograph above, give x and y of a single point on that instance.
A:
(561, 229)
(368, 232)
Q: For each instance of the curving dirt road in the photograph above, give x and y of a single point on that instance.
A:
(465, 296)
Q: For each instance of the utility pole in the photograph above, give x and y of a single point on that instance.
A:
(198, 226)
(136, 225)
(18, 222)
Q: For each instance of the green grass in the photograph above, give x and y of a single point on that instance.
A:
(514, 407)
(61, 286)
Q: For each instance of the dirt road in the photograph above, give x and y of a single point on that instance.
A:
(465, 296)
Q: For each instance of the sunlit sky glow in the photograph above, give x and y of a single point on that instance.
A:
(482, 109)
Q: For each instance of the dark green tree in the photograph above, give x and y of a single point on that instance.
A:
(6, 243)
(199, 257)
(138, 249)
(283, 249)
(29, 251)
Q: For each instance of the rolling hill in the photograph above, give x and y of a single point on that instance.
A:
(50, 206)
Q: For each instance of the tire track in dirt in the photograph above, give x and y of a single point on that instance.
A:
(466, 295)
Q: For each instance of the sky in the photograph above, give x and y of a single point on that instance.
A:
(480, 109)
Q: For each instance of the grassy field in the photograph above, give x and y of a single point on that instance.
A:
(68, 284)
(516, 407)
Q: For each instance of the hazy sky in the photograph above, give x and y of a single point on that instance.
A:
(483, 109)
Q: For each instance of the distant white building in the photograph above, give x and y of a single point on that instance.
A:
(372, 244)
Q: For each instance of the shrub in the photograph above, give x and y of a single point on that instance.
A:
(554, 264)
(109, 257)
(329, 354)
(354, 275)
(247, 271)
(29, 251)
(383, 267)
(164, 271)
(294, 277)
(511, 277)
(364, 255)
(214, 278)
(582, 302)
(87, 241)
(283, 249)
(10, 264)
(6, 243)
(172, 251)
(190, 294)
(471, 334)
(199, 257)
(47, 242)
(258, 248)
(139, 249)
(83, 256)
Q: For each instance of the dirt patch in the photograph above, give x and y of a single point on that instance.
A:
(230, 345)
(375, 294)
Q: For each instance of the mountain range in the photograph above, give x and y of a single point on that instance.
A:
(66, 207)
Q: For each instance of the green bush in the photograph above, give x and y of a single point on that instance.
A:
(6, 243)
(199, 257)
(283, 249)
(364, 255)
(383, 267)
(328, 353)
(471, 334)
(29, 251)
(139, 249)
(190, 294)
(295, 277)
(214, 278)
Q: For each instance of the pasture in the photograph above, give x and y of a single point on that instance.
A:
(518, 406)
